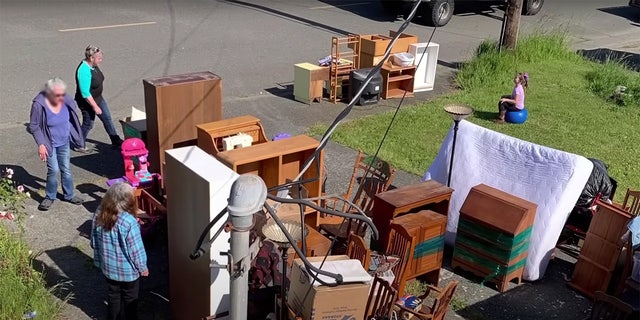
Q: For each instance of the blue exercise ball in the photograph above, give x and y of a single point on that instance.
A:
(517, 117)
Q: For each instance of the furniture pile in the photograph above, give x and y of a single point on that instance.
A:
(403, 73)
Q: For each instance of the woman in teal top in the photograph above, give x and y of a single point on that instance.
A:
(89, 98)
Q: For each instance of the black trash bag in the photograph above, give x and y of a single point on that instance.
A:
(599, 183)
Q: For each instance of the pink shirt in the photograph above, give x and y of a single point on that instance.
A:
(518, 91)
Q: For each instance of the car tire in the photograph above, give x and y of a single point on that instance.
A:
(531, 7)
(440, 12)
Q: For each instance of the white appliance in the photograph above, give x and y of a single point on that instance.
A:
(241, 140)
(425, 76)
(197, 187)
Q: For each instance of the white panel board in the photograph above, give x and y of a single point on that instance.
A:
(197, 187)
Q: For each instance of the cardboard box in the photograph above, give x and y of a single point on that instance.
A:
(347, 301)
(403, 42)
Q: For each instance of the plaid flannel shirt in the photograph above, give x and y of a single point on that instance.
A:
(119, 252)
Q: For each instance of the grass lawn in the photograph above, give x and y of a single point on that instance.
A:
(22, 289)
(568, 103)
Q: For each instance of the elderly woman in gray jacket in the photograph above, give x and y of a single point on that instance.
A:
(55, 126)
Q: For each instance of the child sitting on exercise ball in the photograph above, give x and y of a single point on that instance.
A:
(514, 101)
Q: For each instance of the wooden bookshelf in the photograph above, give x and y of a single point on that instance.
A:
(278, 161)
(396, 80)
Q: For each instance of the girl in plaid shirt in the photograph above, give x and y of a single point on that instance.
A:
(118, 250)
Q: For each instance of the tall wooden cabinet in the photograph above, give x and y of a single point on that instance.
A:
(174, 106)
(428, 195)
(493, 235)
(600, 250)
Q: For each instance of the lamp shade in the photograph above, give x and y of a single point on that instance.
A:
(273, 232)
(458, 111)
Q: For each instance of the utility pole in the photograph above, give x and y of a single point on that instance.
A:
(512, 25)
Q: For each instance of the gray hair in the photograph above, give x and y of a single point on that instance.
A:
(90, 51)
(54, 83)
(119, 194)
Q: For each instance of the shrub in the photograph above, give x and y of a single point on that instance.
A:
(607, 79)
(22, 289)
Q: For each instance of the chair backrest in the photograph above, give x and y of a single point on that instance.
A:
(609, 308)
(401, 244)
(378, 179)
(441, 304)
(381, 300)
(631, 202)
(357, 249)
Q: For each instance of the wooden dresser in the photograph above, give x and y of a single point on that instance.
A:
(428, 229)
(428, 195)
(601, 250)
(175, 105)
(493, 234)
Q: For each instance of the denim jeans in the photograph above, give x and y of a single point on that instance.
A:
(58, 162)
(89, 117)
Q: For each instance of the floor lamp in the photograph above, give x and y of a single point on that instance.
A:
(457, 113)
(272, 232)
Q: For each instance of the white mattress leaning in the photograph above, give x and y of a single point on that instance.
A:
(551, 178)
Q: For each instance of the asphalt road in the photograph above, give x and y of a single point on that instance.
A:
(252, 45)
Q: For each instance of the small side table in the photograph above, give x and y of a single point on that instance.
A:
(307, 82)
(396, 80)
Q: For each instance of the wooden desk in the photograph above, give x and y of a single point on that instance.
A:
(307, 82)
(210, 134)
(428, 195)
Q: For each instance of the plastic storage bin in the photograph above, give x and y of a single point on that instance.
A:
(403, 59)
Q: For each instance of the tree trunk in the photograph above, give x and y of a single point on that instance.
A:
(512, 27)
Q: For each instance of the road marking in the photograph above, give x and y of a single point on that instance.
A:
(340, 5)
(109, 26)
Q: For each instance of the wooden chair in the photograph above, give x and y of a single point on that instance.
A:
(149, 206)
(631, 202)
(436, 310)
(402, 244)
(357, 249)
(362, 188)
(606, 307)
(381, 300)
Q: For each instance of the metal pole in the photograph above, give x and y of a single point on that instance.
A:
(247, 196)
(504, 24)
(453, 150)
(283, 290)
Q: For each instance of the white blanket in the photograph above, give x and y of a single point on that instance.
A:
(551, 178)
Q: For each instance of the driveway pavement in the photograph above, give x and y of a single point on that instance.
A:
(252, 44)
